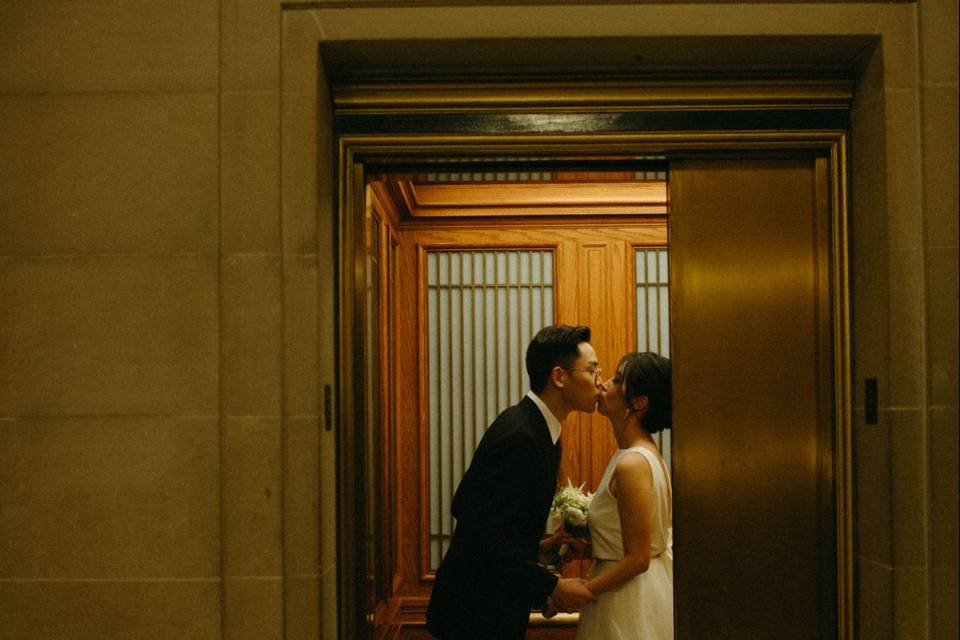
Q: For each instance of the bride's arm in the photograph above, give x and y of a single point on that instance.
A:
(632, 485)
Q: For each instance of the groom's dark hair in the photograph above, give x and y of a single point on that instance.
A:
(555, 346)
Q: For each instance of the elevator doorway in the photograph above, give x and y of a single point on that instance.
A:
(758, 310)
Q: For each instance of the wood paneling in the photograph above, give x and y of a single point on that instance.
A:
(594, 285)
(597, 194)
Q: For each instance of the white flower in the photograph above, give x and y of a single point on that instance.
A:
(575, 517)
(582, 501)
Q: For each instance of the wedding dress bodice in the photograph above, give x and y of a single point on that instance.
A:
(642, 607)
(604, 515)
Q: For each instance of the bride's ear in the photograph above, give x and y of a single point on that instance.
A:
(640, 405)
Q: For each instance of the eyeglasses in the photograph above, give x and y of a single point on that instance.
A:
(594, 372)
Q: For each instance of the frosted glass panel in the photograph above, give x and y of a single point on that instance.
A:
(653, 315)
(483, 307)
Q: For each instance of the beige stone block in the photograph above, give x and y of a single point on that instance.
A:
(942, 500)
(328, 501)
(328, 603)
(801, 18)
(869, 87)
(940, 163)
(250, 44)
(253, 609)
(942, 322)
(109, 497)
(250, 171)
(906, 349)
(904, 175)
(300, 174)
(907, 483)
(301, 495)
(301, 33)
(327, 268)
(252, 497)
(328, 322)
(909, 602)
(90, 46)
(251, 335)
(872, 478)
(868, 179)
(111, 610)
(300, 345)
(869, 281)
(108, 336)
(791, 18)
(303, 608)
(943, 604)
(874, 601)
(869, 293)
(938, 42)
(117, 173)
(898, 28)
(636, 19)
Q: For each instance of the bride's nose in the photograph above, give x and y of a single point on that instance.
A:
(604, 386)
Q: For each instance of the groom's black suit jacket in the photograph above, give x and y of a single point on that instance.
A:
(489, 579)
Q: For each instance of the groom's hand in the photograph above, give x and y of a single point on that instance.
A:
(570, 595)
(548, 545)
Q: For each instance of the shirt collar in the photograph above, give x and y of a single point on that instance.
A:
(552, 423)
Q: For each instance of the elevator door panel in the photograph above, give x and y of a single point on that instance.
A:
(748, 323)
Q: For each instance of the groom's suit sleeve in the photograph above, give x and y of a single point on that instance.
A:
(500, 508)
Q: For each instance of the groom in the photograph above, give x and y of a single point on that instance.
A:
(489, 579)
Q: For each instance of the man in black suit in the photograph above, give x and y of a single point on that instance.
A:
(490, 579)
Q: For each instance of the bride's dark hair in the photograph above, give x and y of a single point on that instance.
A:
(648, 374)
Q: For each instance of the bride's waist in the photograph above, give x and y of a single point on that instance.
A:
(663, 556)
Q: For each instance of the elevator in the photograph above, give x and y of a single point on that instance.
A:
(755, 226)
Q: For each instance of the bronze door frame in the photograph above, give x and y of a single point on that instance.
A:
(356, 151)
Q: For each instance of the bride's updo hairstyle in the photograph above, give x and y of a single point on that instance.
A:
(648, 374)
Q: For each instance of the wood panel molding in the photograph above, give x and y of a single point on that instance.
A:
(417, 198)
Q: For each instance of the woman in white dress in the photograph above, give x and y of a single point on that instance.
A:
(630, 515)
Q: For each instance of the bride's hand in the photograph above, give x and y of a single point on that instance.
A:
(577, 548)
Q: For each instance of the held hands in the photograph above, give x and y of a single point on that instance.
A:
(570, 595)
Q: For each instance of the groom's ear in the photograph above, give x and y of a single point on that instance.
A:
(556, 376)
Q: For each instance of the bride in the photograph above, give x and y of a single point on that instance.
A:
(630, 515)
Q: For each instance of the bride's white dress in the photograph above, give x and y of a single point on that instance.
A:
(641, 608)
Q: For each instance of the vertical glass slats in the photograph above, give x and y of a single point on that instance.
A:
(483, 307)
(653, 315)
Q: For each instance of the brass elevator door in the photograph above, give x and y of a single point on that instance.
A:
(750, 331)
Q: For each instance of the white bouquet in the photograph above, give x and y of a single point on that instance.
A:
(569, 509)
